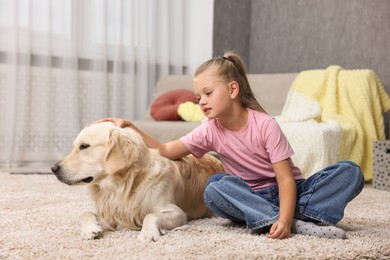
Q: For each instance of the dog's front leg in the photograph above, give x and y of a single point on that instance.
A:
(90, 227)
(156, 224)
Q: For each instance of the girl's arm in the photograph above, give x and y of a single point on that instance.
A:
(172, 150)
(287, 199)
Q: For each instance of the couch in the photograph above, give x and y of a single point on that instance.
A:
(317, 139)
(270, 89)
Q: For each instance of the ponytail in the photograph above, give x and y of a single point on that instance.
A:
(230, 67)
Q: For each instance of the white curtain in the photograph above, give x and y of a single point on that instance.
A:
(66, 63)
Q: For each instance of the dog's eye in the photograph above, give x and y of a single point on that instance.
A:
(84, 146)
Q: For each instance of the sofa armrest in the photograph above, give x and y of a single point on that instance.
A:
(165, 131)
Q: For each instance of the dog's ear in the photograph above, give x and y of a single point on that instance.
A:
(121, 152)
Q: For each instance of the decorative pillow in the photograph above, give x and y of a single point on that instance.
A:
(164, 107)
(191, 112)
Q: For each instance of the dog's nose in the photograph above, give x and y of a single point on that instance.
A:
(55, 167)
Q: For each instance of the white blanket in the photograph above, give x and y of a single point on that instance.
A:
(355, 99)
(316, 144)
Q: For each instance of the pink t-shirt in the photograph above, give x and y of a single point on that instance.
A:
(248, 153)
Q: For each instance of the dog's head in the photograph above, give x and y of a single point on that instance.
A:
(100, 150)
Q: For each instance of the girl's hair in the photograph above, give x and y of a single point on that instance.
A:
(230, 67)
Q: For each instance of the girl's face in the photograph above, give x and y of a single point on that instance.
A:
(214, 96)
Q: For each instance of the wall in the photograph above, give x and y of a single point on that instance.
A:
(289, 36)
(232, 27)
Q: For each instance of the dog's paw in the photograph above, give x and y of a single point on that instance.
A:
(149, 235)
(91, 231)
(90, 228)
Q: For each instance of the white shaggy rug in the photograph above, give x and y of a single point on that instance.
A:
(39, 219)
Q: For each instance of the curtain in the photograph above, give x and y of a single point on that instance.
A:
(66, 63)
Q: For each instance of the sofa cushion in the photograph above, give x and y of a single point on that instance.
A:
(165, 106)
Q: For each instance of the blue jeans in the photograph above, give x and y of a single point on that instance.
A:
(320, 198)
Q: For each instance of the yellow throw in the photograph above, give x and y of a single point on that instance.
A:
(356, 100)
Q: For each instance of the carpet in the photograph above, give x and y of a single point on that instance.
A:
(39, 219)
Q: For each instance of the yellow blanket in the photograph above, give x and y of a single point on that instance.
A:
(356, 100)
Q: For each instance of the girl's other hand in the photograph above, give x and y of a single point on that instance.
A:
(279, 230)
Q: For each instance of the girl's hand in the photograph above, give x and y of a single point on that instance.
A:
(280, 230)
(120, 122)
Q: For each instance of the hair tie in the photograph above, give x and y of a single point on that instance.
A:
(225, 58)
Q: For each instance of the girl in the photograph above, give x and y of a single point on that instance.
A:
(261, 187)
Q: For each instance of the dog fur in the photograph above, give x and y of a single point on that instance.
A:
(133, 186)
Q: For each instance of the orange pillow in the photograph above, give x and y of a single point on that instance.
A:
(164, 107)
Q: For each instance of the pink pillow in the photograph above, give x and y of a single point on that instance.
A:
(164, 107)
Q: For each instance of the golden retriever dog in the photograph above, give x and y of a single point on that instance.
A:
(133, 186)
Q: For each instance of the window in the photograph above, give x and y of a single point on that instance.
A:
(111, 22)
(30, 23)
(43, 17)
